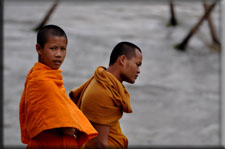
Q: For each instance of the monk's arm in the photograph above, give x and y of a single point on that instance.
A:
(68, 131)
(101, 141)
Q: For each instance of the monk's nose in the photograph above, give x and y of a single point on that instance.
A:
(58, 53)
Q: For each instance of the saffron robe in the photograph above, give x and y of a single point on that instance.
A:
(103, 99)
(45, 107)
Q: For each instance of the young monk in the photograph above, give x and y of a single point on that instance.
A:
(48, 117)
(103, 98)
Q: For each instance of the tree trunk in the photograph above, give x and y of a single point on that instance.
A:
(47, 16)
(173, 20)
(211, 26)
(183, 44)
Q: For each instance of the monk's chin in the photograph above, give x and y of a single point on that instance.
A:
(55, 67)
(131, 81)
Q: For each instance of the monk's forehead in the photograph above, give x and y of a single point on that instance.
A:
(49, 36)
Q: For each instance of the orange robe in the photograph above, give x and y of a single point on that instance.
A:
(103, 99)
(45, 108)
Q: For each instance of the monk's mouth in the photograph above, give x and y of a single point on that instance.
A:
(57, 62)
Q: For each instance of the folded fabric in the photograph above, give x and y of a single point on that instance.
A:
(45, 105)
(103, 99)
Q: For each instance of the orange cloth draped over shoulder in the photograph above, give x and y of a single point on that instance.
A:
(103, 99)
(45, 106)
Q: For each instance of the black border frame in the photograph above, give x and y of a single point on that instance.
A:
(220, 145)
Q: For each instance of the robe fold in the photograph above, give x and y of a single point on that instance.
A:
(103, 99)
(45, 108)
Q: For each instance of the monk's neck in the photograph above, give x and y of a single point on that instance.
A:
(114, 71)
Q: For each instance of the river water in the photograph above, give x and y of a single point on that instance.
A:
(175, 100)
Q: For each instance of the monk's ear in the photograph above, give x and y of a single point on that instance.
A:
(122, 60)
(38, 49)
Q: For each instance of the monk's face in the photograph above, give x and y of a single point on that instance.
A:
(132, 68)
(54, 52)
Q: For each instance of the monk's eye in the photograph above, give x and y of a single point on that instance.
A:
(53, 48)
(63, 48)
(138, 64)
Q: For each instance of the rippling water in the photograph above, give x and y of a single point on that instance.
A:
(175, 100)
